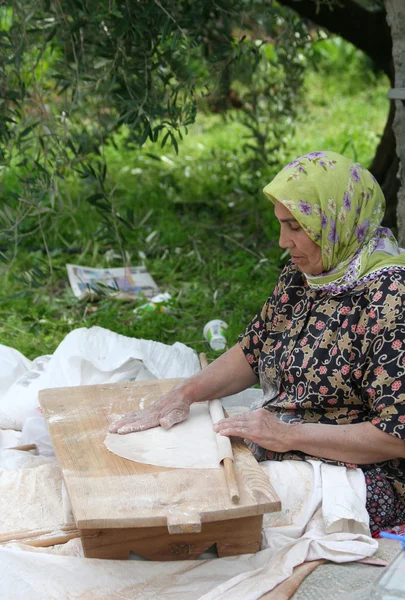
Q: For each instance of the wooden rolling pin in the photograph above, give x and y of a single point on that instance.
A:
(25, 448)
(229, 467)
(41, 538)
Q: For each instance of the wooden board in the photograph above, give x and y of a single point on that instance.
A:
(231, 538)
(107, 491)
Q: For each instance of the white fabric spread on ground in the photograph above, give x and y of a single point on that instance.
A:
(323, 515)
(190, 444)
(85, 357)
(30, 492)
(319, 520)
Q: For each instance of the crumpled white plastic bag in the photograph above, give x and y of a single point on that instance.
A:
(12, 409)
(35, 431)
(88, 357)
(9, 438)
(13, 366)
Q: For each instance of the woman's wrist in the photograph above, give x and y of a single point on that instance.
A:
(227, 375)
(356, 443)
(294, 436)
(185, 392)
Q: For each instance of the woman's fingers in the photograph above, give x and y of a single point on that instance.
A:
(240, 420)
(233, 426)
(260, 426)
(146, 421)
(246, 425)
(115, 425)
(235, 431)
(174, 416)
(154, 415)
(136, 421)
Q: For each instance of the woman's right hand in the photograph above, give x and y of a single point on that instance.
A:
(227, 375)
(169, 410)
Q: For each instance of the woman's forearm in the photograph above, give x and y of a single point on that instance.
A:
(360, 443)
(227, 375)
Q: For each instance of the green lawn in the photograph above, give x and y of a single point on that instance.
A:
(215, 247)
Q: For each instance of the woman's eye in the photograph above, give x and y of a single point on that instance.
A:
(294, 228)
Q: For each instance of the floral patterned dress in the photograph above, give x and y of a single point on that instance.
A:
(333, 358)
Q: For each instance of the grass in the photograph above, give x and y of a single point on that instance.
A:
(215, 247)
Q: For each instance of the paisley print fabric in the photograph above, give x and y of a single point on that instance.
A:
(333, 358)
(340, 205)
(382, 503)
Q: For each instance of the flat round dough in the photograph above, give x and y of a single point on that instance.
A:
(190, 445)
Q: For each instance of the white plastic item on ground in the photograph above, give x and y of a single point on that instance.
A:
(158, 303)
(13, 365)
(35, 431)
(214, 332)
(91, 356)
(9, 438)
(13, 401)
(318, 521)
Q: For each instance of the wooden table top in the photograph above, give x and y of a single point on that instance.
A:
(107, 491)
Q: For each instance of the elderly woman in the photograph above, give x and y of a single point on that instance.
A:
(328, 346)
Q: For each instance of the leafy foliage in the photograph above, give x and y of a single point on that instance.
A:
(96, 166)
(77, 74)
(196, 224)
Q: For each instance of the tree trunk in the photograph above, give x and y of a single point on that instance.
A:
(396, 20)
(385, 167)
(368, 31)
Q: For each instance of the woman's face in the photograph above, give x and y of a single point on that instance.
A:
(303, 251)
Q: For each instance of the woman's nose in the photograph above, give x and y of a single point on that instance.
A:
(285, 240)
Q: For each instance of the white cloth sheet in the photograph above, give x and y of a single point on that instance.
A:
(87, 357)
(323, 512)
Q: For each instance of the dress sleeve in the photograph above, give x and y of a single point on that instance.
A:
(255, 335)
(383, 383)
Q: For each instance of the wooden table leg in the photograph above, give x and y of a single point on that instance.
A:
(232, 537)
(239, 536)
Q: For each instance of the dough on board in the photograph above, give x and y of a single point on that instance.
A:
(190, 444)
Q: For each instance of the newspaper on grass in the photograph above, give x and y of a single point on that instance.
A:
(126, 283)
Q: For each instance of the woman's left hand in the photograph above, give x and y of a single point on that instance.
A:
(260, 426)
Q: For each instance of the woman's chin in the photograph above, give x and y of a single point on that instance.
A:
(299, 263)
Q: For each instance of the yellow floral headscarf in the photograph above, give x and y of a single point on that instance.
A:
(340, 205)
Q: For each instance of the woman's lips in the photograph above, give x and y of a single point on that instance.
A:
(296, 258)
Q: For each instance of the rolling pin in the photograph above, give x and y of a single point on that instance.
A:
(224, 443)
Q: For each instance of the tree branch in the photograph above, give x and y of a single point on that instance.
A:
(367, 30)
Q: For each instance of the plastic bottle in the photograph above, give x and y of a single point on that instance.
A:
(157, 303)
(214, 332)
(391, 584)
